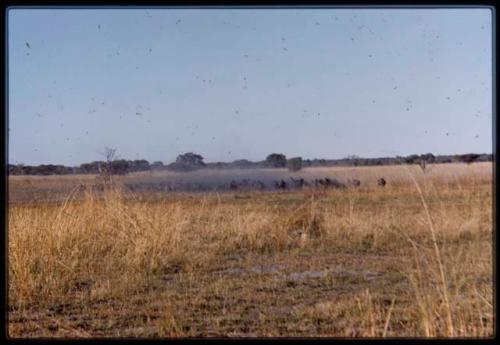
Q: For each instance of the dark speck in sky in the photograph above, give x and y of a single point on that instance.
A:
(178, 21)
(317, 23)
(477, 135)
(28, 45)
(98, 26)
(448, 98)
(150, 50)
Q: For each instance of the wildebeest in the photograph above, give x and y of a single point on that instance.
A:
(356, 183)
(299, 183)
(327, 182)
(381, 182)
(233, 185)
(280, 184)
(258, 185)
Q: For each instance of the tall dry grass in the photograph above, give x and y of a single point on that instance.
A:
(438, 228)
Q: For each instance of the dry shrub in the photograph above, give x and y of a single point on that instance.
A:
(105, 243)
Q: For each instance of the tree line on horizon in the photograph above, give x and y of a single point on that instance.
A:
(191, 161)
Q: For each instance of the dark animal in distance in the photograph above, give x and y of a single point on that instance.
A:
(381, 182)
(299, 183)
(258, 185)
(356, 183)
(280, 184)
(327, 182)
(233, 185)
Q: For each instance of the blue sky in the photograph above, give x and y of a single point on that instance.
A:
(231, 84)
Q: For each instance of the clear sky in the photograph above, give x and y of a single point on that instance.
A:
(232, 84)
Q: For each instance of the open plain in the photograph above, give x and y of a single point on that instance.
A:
(413, 258)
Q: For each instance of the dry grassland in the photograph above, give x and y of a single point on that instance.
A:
(411, 259)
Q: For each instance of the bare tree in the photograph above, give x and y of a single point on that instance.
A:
(105, 170)
(425, 160)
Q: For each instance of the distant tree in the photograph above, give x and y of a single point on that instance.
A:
(119, 167)
(276, 160)
(191, 159)
(187, 162)
(485, 157)
(157, 164)
(399, 160)
(318, 162)
(90, 168)
(242, 163)
(294, 164)
(444, 159)
(412, 159)
(109, 168)
(306, 163)
(426, 159)
(468, 158)
(353, 160)
(138, 165)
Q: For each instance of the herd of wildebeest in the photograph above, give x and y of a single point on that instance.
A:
(246, 185)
